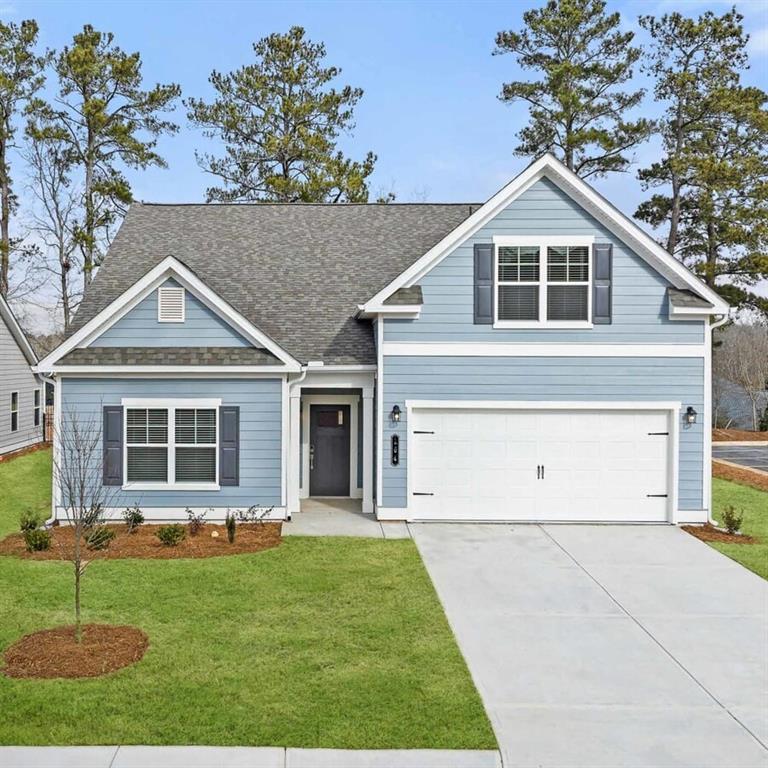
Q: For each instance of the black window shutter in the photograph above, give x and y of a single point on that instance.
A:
(112, 440)
(483, 283)
(602, 292)
(229, 445)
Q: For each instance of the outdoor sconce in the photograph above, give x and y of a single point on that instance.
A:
(690, 415)
(395, 415)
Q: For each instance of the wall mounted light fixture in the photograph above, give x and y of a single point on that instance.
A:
(690, 415)
(395, 415)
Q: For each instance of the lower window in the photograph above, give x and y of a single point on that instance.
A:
(171, 446)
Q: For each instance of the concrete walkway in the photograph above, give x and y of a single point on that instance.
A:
(340, 517)
(241, 757)
(607, 646)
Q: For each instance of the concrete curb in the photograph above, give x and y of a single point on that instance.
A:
(243, 757)
(741, 466)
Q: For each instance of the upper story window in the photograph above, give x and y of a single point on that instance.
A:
(543, 282)
(168, 446)
(170, 304)
(14, 411)
(36, 404)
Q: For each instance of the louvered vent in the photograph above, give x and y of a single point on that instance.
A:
(170, 305)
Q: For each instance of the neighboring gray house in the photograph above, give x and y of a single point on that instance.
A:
(537, 357)
(22, 402)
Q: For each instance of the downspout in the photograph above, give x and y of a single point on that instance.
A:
(711, 327)
(288, 468)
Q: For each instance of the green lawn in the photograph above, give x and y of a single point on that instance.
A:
(755, 506)
(318, 643)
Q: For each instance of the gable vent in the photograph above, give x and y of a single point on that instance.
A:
(170, 305)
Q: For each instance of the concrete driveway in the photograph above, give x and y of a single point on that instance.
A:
(607, 646)
(753, 456)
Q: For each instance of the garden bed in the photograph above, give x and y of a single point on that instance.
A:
(742, 475)
(708, 532)
(53, 653)
(211, 541)
(738, 436)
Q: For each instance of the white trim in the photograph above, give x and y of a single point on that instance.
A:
(501, 349)
(170, 406)
(169, 267)
(706, 421)
(94, 372)
(671, 407)
(623, 227)
(285, 406)
(391, 513)
(379, 411)
(553, 240)
(401, 311)
(56, 501)
(163, 514)
(167, 290)
(367, 457)
(174, 369)
(352, 401)
(16, 331)
(687, 312)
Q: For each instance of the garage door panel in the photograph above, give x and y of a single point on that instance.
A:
(482, 465)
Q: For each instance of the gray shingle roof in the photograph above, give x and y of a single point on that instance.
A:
(406, 296)
(684, 298)
(298, 272)
(169, 356)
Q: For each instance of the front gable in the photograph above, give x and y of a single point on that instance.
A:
(640, 303)
(143, 327)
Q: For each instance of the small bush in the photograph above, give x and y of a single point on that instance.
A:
(196, 521)
(29, 520)
(99, 537)
(231, 524)
(254, 514)
(732, 518)
(37, 539)
(133, 518)
(171, 535)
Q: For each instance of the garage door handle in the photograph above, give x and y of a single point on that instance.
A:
(422, 432)
(421, 493)
(656, 495)
(658, 433)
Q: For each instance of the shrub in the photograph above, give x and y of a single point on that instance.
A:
(37, 539)
(171, 535)
(254, 514)
(196, 521)
(29, 520)
(99, 537)
(133, 518)
(231, 523)
(732, 519)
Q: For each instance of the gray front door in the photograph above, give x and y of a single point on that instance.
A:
(329, 450)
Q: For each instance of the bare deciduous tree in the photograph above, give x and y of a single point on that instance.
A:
(77, 472)
(742, 358)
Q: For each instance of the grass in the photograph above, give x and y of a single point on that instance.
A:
(755, 506)
(318, 643)
(25, 483)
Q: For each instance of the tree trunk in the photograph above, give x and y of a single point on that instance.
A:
(65, 296)
(90, 216)
(78, 575)
(5, 216)
(674, 215)
(711, 265)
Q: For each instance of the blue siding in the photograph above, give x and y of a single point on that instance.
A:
(260, 433)
(201, 328)
(640, 311)
(547, 378)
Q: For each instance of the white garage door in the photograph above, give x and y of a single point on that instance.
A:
(476, 464)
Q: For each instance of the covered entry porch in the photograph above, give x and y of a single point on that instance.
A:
(330, 445)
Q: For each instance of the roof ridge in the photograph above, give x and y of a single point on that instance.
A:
(300, 205)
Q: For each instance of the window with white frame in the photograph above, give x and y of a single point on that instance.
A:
(36, 403)
(14, 411)
(171, 445)
(543, 281)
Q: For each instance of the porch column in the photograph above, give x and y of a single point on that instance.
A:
(368, 450)
(294, 450)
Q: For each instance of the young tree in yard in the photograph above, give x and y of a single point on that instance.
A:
(104, 118)
(21, 76)
(280, 121)
(577, 108)
(742, 358)
(55, 216)
(712, 180)
(77, 472)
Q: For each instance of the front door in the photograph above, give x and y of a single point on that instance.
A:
(329, 450)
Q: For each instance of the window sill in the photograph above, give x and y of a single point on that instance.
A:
(171, 487)
(550, 324)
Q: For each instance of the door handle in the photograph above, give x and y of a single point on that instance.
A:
(542, 471)
(311, 457)
(538, 471)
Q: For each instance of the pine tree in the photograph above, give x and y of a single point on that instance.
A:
(577, 109)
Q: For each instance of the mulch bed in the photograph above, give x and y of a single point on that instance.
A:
(54, 653)
(740, 475)
(708, 532)
(24, 451)
(250, 537)
(738, 435)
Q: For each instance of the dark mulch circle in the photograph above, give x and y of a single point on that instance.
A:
(54, 653)
(211, 541)
(708, 532)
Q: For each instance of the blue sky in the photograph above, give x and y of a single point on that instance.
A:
(430, 110)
